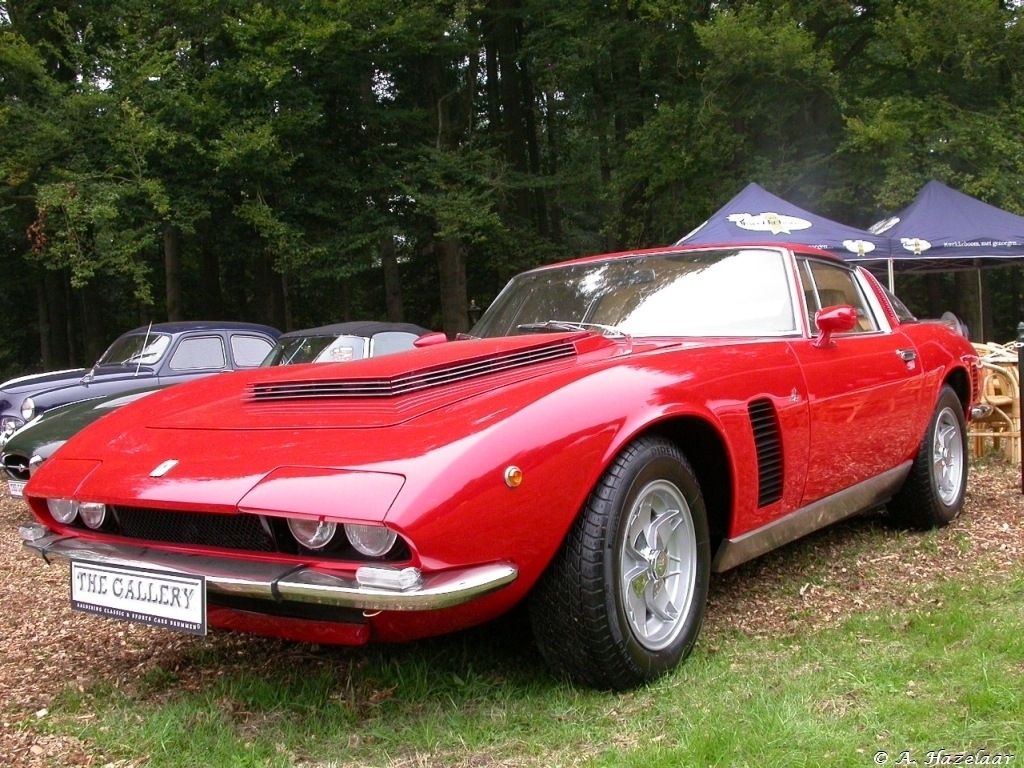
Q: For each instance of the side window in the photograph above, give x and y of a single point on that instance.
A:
(199, 353)
(342, 349)
(249, 351)
(903, 314)
(388, 342)
(826, 285)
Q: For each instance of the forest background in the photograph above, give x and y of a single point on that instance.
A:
(299, 162)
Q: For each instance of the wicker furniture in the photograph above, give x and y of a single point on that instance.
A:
(998, 433)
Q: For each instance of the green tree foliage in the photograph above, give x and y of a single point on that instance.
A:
(304, 162)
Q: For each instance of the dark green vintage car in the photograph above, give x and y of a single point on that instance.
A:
(36, 441)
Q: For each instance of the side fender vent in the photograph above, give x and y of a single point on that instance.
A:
(768, 440)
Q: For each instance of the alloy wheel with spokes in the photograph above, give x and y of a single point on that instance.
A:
(948, 456)
(623, 601)
(658, 564)
(934, 491)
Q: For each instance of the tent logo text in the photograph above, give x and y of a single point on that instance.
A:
(915, 244)
(860, 247)
(768, 222)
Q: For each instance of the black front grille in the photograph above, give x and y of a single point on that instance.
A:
(228, 531)
(239, 532)
(16, 466)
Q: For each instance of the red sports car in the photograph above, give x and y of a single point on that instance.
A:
(615, 429)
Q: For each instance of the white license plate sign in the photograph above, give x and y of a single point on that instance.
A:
(17, 488)
(160, 598)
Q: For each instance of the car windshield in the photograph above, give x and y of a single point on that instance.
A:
(137, 349)
(315, 349)
(727, 292)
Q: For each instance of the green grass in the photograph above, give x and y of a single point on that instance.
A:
(946, 676)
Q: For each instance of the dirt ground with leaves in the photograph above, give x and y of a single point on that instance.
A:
(849, 568)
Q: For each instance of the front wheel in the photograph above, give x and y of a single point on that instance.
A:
(933, 493)
(623, 601)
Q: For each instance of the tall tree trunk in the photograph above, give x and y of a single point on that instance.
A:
(604, 159)
(502, 31)
(392, 279)
(286, 304)
(933, 284)
(969, 303)
(70, 330)
(1017, 301)
(268, 292)
(57, 315)
(172, 270)
(554, 146)
(451, 253)
(45, 332)
(454, 306)
(94, 334)
(211, 296)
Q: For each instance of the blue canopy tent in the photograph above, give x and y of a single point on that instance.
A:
(944, 230)
(757, 215)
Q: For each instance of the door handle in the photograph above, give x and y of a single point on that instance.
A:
(907, 355)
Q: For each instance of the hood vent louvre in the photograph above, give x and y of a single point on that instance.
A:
(408, 383)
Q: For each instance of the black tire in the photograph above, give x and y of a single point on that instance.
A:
(933, 493)
(590, 626)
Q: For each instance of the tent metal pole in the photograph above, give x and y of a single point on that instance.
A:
(1020, 396)
(892, 277)
(981, 303)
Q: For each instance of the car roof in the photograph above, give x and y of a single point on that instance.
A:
(797, 247)
(357, 328)
(182, 326)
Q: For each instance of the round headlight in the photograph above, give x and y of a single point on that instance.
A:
(9, 425)
(312, 534)
(370, 540)
(93, 514)
(28, 408)
(63, 510)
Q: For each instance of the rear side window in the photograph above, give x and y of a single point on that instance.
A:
(199, 353)
(903, 314)
(249, 351)
(388, 342)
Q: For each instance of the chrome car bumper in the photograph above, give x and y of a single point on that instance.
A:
(280, 582)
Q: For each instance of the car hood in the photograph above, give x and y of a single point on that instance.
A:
(208, 444)
(53, 428)
(42, 381)
(378, 392)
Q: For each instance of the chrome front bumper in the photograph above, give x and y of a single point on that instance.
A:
(279, 582)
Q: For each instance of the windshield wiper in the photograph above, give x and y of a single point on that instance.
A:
(560, 326)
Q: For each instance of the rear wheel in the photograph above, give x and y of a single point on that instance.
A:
(933, 493)
(623, 601)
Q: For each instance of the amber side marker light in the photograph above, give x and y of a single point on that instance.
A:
(513, 476)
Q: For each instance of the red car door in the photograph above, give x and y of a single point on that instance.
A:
(865, 388)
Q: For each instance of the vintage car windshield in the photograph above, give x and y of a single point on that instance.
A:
(315, 349)
(139, 349)
(728, 292)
